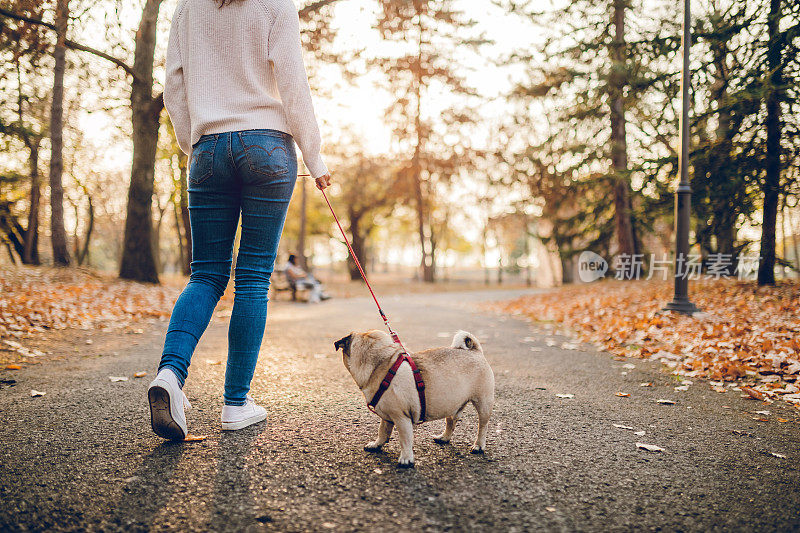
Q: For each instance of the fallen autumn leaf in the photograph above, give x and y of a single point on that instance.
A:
(753, 393)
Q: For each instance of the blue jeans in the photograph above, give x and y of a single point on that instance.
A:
(251, 173)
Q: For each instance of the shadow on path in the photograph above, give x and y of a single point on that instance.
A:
(149, 489)
(234, 507)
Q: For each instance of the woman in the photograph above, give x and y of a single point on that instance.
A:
(238, 96)
(303, 280)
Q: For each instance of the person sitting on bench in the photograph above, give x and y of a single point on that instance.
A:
(303, 280)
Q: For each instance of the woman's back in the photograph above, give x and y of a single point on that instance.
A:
(239, 67)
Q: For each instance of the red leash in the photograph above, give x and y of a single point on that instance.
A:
(404, 355)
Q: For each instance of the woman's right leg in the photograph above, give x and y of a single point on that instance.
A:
(214, 204)
(268, 167)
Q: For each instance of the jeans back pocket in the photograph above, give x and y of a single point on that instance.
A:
(267, 152)
(202, 162)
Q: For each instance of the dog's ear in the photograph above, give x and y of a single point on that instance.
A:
(344, 344)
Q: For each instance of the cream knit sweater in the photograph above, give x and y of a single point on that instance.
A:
(239, 67)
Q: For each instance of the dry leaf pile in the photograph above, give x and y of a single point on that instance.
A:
(747, 334)
(35, 300)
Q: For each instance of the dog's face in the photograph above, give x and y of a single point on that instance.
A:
(344, 345)
(362, 349)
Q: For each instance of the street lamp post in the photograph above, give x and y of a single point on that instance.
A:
(683, 196)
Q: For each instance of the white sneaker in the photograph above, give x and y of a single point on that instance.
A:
(241, 416)
(167, 403)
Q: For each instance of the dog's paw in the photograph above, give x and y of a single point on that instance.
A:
(476, 450)
(373, 447)
(440, 440)
(405, 463)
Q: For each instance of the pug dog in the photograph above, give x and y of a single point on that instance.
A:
(454, 376)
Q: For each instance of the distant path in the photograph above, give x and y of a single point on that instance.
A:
(83, 456)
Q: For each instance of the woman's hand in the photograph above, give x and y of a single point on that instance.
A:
(323, 182)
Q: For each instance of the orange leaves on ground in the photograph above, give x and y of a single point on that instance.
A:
(35, 300)
(748, 333)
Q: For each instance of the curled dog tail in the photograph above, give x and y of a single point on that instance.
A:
(466, 341)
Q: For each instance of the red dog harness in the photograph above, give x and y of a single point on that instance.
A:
(387, 380)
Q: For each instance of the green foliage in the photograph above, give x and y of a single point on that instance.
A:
(566, 164)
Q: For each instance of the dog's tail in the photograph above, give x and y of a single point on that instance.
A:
(466, 341)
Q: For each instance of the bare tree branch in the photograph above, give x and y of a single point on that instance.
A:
(77, 46)
(23, 18)
(118, 62)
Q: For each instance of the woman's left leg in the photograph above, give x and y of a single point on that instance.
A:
(214, 212)
(214, 196)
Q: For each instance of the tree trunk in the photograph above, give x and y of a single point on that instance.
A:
(11, 253)
(725, 233)
(183, 163)
(784, 251)
(420, 206)
(795, 244)
(771, 186)
(567, 269)
(301, 238)
(30, 255)
(157, 236)
(426, 261)
(526, 250)
(13, 230)
(619, 147)
(721, 167)
(485, 235)
(357, 241)
(83, 254)
(179, 233)
(430, 274)
(58, 233)
(138, 256)
(500, 270)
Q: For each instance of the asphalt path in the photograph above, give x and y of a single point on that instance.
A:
(83, 457)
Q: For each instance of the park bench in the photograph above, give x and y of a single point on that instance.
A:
(280, 282)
